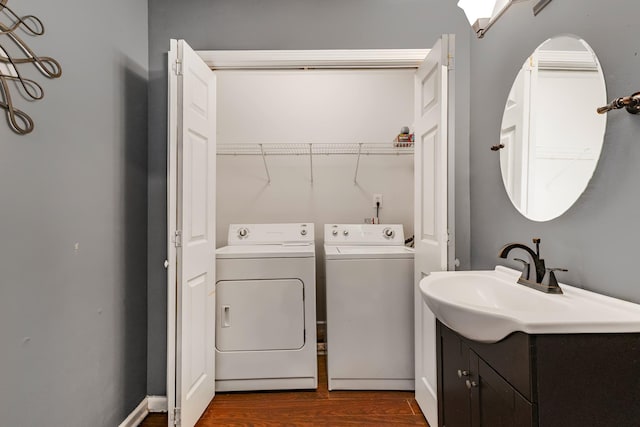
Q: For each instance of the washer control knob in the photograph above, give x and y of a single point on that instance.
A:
(243, 232)
(303, 232)
(345, 232)
(388, 233)
(334, 232)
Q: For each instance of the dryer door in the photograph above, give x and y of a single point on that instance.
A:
(258, 315)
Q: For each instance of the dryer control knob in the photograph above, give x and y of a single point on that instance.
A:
(388, 233)
(243, 232)
(345, 232)
(303, 232)
(334, 232)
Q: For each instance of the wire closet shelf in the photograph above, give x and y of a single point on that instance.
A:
(314, 149)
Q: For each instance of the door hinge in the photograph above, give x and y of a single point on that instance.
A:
(451, 62)
(177, 238)
(178, 68)
(176, 417)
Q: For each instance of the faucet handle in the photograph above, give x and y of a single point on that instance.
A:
(550, 279)
(536, 241)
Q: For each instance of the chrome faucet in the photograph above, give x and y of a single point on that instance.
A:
(545, 282)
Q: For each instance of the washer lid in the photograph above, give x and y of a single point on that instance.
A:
(368, 252)
(305, 250)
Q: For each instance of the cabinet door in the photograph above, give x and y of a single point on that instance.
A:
(494, 402)
(455, 405)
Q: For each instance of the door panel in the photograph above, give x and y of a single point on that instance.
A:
(429, 150)
(192, 156)
(433, 129)
(428, 89)
(199, 190)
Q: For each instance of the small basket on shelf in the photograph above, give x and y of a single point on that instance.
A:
(404, 139)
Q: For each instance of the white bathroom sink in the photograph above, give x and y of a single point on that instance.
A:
(487, 306)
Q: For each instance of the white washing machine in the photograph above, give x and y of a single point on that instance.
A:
(370, 324)
(266, 308)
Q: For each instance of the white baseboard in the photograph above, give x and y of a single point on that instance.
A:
(157, 403)
(137, 415)
(148, 404)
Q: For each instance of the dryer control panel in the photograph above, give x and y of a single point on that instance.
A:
(271, 234)
(363, 234)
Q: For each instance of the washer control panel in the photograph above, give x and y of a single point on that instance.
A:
(363, 234)
(270, 234)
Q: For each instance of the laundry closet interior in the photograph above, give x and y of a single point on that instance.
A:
(315, 120)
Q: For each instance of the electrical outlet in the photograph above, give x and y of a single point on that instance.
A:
(377, 198)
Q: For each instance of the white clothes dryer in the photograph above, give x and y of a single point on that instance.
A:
(266, 308)
(370, 298)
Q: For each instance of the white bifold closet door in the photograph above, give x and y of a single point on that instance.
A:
(191, 228)
(433, 159)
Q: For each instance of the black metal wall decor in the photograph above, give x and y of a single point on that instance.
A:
(15, 54)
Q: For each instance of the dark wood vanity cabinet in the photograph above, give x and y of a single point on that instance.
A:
(472, 393)
(539, 380)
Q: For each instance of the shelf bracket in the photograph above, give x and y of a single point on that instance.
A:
(355, 177)
(311, 162)
(264, 160)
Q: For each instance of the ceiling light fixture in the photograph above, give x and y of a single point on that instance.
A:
(482, 14)
(478, 13)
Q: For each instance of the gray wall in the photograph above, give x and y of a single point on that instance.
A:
(286, 24)
(73, 321)
(597, 239)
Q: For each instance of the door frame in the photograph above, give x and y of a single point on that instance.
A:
(301, 59)
(279, 59)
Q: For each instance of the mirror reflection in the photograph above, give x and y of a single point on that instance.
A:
(551, 133)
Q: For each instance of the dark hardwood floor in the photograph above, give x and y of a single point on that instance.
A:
(308, 408)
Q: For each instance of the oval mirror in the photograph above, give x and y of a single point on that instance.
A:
(551, 133)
